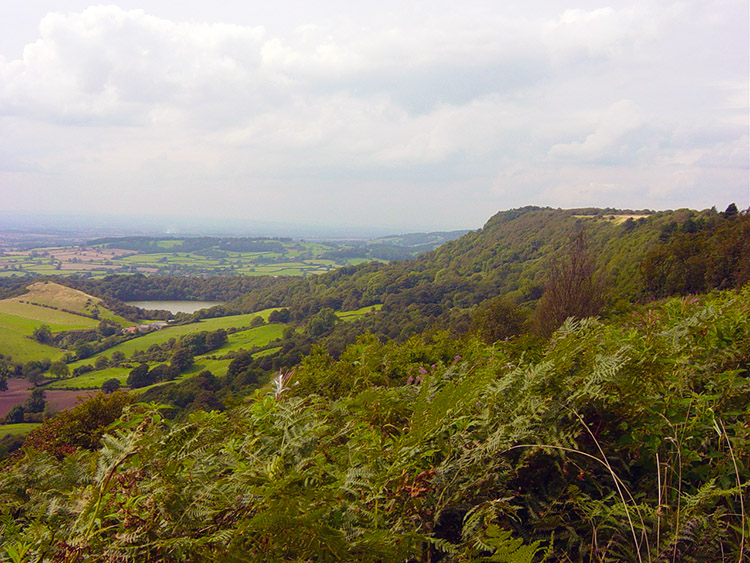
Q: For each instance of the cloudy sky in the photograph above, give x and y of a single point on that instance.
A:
(408, 115)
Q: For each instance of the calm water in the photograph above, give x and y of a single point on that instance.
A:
(174, 306)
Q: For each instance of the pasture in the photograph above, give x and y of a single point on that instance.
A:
(51, 296)
(354, 315)
(21, 428)
(246, 339)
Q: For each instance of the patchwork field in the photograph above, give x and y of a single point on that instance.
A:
(211, 255)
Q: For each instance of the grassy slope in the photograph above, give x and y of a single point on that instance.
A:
(353, 315)
(50, 294)
(14, 429)
(19, 316)
(18, 321)
(246, 339)
(26, 316)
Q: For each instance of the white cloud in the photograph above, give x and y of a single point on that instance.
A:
(608, 140)
(498, 106)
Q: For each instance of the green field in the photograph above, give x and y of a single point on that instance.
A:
(23, 349)
(92, 380)
(15, 429)
(16, 329)
(353, 315)
(19, 319)
(33, 316)
(246, 339)
(180, 256)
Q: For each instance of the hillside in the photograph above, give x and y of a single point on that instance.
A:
(510, 258)
(435, 409)
(47, 304)
(619, 441)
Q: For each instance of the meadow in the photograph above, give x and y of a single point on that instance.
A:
(42, 305)
(21, 428)
(241, 340)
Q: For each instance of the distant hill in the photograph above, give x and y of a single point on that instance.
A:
(511, 257)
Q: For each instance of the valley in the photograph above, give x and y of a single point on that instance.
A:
(490, 396)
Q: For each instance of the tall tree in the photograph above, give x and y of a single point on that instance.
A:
(573, 288)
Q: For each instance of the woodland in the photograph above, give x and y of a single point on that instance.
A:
(559, 385)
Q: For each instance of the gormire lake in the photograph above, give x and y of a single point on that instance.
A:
(174, 306)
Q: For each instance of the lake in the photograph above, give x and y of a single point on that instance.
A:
(174, 306)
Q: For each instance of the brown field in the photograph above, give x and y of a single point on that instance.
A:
(616, 219)
(87, 254)
(58, 399)
(78, 267)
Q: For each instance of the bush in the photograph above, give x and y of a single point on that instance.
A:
(110, 386)
(139, 376)
(80, 427)
(15, 415)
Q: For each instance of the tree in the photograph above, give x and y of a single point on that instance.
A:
(117, 358)
(80, 427)
(107, 328)
(139, 377)
(110, 386)
(15, 415)
(731, 211)
(164, 372)
(322, 322)
(36, 401)
(497, 319)
(33, 370)
(101, 362)
(43, 334)
(182, 359)
(84, 350)
(59, 369)
(573, 287)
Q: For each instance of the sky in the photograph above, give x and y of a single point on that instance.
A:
(419, 115)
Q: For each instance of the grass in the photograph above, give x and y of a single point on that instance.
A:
(53, 298)
(33, 316)
(93, 379)
(245, 339)
(347, 316)
(23, 349)
(59, 296)
(21, 428)
(163, 335)
(19, 319)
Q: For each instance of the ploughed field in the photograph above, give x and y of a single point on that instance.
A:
(58, 399)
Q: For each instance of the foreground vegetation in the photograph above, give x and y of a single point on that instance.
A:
(613, 441)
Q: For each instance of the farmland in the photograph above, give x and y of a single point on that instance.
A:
(43, 305)
(241, 340)
(209, 255)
